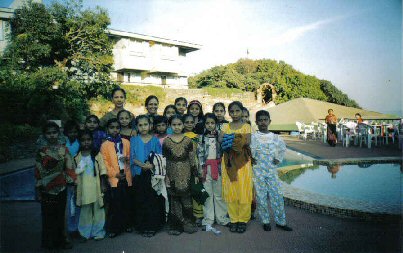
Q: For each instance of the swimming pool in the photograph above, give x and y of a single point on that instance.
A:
(375, 186)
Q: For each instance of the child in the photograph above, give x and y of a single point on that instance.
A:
(237, 169)
(160, 123)
(150, 212)
(181, 105)
(89, 169)
(268, 151)
(169, 111)
(125, 119)
(209, 153)
(245, 115)
(195, 108)
(99, 136)
(53, 170)
(71, 129)
(181, 168)
(189, 126)
(116, 151)
(219, 112)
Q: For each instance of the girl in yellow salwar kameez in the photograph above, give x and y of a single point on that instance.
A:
(237, 183)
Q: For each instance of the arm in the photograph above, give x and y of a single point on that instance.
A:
(71, 176)
(281, 148)
(107, 160)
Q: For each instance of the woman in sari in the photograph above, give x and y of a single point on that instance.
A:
(331, 121)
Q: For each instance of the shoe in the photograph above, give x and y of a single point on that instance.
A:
(67, 245)
(129, 230)
(83, 239)
(199, 222)
(112, 235)
(285, 227)
(267, 227)
(189, 228)
(233, 227)
(241, 227)
(98, 238)
(174, 232)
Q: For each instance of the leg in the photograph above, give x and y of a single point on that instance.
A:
(276, 200)
(233, 212)
(208, 208)
(85, 223)
(187, 208)
(176, 219)
(261, 197)
(220, 207)
(98, 231)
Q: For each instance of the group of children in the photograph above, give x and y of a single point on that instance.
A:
(116, 180)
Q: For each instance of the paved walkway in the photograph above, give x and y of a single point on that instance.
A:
(21, 221)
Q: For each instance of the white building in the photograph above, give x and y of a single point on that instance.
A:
(7, 8)
(147, 60)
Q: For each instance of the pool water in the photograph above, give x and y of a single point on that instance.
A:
(375, 183)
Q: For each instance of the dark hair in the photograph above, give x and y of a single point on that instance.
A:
(70, 125)
(180, 99)
(118, 89)
(113, 120)
(148, 99)
(358, 114)
(50, 124)
(246, 110)
(160, 119)
(185, 116)
(262, 113)
(196, 102)
(94, 152)
(130, 115)
(92, 116)
(237, 103)
(168, 107)
(143, 116)
(176, 116)
(217, 105)
(210, 115)
(330, 110)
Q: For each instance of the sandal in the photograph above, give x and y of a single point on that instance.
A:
(233, 227)
(174, 232)
(241, 227)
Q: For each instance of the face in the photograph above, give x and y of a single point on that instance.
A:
(357, 116)
(177, 126)
(161, 128)
(245, 116)
(235, 113)
(91, 124)
(72, 134)
(124, 119)
(194, 109)
(52, 135)
(86, 142)
(114, 129)
(181, 106)
(189, 124)
(143, 126)
(330, 112)
(170, 112)
(119, 99)
(263, 123)
(210, 124)
(152, 106)
(219, 112)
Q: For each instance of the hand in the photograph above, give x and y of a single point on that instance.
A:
(148, 166)
(196, 180)
(120, 176)
(124, 159)
(253, 160)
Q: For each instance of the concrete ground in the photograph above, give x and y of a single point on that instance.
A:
(20, 229)
(20, 232)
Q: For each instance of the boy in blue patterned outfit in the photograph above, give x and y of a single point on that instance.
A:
(268, 151)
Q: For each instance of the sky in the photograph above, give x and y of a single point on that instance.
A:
(357, 45)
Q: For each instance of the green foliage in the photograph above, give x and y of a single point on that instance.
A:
(249, 75)
(222, 92)
(56, 59)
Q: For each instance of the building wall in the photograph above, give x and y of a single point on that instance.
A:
(147, 62)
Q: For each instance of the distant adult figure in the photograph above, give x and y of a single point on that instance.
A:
(331, 121)
(151, 105)
(359, 118)
(118, 97)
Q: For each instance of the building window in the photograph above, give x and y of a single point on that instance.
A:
(2, 29)
(128, 77)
